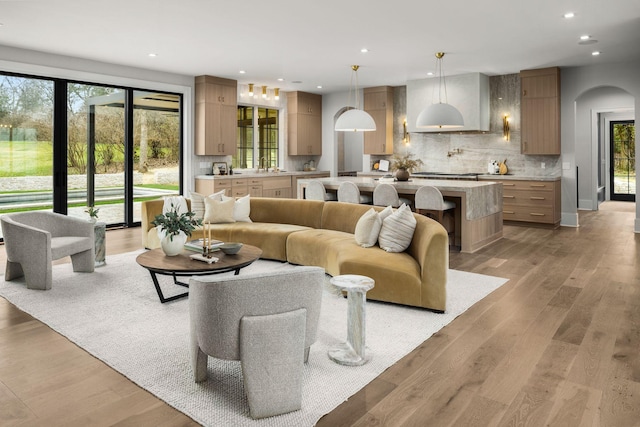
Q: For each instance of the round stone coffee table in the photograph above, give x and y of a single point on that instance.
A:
(352, 352)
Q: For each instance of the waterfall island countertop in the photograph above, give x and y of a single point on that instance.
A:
(478, 212)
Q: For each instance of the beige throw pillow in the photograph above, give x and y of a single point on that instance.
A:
(218, 211)
(241, 208)
(397, 230)
(197, 202)
(368, 228)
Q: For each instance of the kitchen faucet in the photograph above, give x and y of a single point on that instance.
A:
(261, 164)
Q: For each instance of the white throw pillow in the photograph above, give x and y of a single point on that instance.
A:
(197, 202)
(218, 211)
(242, 209)
(385, 212)
(397, 230)
(175, 202)
(368, 228)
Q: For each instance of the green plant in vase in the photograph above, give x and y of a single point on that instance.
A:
(176, 227)
(93, 213)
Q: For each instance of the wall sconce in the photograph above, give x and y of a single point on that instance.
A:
(264, 92)
(406, 138)
(506, 132)
(276, 94)
(250, 90)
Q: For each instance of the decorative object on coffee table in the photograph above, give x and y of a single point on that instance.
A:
(353, 352)
(177, 228)
(182, 265)
(231, 248)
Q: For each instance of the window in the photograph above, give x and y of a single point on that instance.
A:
(257, 138)
(111, 147)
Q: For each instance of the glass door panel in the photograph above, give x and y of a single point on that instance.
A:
(156, 139)
(623, 162)
(26, 144)
(95, 151)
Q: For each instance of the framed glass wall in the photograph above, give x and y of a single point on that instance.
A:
(67, 145)
(26, 144)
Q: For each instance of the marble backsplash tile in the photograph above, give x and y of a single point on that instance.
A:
(476, 148)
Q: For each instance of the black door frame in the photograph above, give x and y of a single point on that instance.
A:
(614, 195)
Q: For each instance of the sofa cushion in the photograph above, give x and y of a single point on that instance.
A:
(241, 208)
(397, 230)
(218, 211)
(368, 228)
(197, 202)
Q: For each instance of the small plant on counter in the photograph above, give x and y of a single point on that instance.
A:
(405, 162)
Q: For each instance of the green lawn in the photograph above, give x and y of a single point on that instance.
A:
(25, 158)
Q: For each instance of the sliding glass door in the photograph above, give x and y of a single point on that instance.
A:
(68, 145)
(26, 144)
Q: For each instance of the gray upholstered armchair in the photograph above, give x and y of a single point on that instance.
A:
(268, 321)
(34, 239)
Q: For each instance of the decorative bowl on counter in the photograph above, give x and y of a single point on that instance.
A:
(230, 248)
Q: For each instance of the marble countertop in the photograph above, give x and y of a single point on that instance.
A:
(482, 198)
(253, 174)
(488, 177)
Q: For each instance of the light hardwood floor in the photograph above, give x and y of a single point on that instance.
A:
(557, 345)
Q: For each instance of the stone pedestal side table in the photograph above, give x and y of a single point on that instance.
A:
(353, 352)
(100, 230)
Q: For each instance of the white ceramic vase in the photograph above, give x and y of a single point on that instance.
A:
(172, 247)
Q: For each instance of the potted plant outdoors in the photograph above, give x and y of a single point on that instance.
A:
(175, 227)
(404, 165)
(93, 213)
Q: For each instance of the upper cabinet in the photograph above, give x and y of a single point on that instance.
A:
(540, 111)
(469, 93)
(216, 113)
(304, 124)
(378, 101)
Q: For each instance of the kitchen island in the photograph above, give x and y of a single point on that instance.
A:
(478, 213)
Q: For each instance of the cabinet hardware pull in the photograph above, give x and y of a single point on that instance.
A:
(536, 185)
(508, 185)
(508, 212)
(508, 197)
(524, 92)
(536, 214)
(536, 198)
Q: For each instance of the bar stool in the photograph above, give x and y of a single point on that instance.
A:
(348, 192)
(429, 202)
(386, 195)
(315, 191)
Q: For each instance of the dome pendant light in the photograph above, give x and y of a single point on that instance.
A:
(355, 120)
(441, 114)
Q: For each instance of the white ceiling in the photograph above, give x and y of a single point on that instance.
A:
(315, 42)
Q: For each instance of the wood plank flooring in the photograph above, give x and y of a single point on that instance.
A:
(558, 345)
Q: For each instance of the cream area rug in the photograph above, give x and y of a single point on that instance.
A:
(114, 314)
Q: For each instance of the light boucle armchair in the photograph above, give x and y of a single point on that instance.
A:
(268, 321)
(34, 239)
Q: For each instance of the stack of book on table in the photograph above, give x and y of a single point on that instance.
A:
(197, 245)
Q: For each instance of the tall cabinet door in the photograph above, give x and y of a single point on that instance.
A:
(540, 111)
(304, 124)
(378, 102)
(216, 116)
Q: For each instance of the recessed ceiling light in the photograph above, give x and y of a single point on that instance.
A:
(319, 87)
(153, 55)
(364, 50)
(585, 37)
(242, 71)
(595, 53)
(429, 73)
(569, 15)
(280, 79)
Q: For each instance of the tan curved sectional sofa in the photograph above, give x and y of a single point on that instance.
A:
(316, 233)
